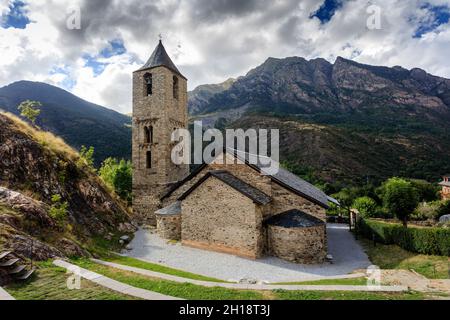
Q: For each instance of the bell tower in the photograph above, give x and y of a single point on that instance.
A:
(159, 108)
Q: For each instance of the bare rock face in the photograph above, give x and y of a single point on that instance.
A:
(33, 210)
(297, 86)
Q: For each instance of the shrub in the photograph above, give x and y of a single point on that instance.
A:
(58, 210)
(431, 241)
(86, 158)
(366, 206)
(443, 209)
(426, 211)
(118, 176)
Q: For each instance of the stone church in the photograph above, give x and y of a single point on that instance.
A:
(230, 206)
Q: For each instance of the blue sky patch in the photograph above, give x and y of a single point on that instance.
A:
(327, 10)
(68, 83)
(16, 18)
(440, 15)
(114, 48)
(92, 62)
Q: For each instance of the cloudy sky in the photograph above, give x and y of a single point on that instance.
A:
(209, 40)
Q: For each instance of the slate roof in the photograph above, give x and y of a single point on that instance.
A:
(294, 219)
(160, 58)
(288, 180)
(247, 190)
(283, 177)
(173, 209)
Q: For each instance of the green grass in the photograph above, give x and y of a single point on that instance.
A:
(394, 257)
(131, 262)
(362, 281)
(180, 290)
(50, 283)
(194, 292)
(345, 295)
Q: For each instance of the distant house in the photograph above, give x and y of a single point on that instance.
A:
(445, 193)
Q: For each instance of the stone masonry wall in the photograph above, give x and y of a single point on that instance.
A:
(285, 200)
(299, 245)
(169, 226)
(219, 218)
(164, 113)
(242, 171)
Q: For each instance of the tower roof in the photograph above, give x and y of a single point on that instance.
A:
(160, 58)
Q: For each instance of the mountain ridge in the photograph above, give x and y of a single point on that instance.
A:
(401, 110)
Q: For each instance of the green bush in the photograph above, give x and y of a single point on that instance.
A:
(426, 211)
(366, 206)
(431, 241)
(444, 209)
(58, 210)
(118, 175)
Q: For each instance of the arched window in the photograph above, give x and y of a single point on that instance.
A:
(148, 79)
(175, 87)
(149, 160)
(148, 133)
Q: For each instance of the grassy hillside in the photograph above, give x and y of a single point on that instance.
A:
(340, 154)
(36, 166)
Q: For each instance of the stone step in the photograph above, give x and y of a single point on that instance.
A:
(25, 275)
(9, 263)
(17, 270)
(4, 254)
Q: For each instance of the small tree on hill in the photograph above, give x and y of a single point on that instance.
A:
(58, 210)
(87, 157)
(30, 110)
(400, 197)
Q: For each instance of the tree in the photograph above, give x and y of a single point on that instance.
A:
(400, 197)
(427, 192)
(118, 175)
(346, 197)
(30, 110)
(87, 157)
(366, 206)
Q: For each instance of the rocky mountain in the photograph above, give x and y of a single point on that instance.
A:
(34, 167)
(404, 111)
(297, 86)
(199, 97)
(75, 120)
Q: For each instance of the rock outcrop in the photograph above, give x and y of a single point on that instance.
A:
(34, 166)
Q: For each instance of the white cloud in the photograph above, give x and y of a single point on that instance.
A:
(210, 40)
(4, 6)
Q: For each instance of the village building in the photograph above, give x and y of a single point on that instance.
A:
(445, 184)
(231, 205)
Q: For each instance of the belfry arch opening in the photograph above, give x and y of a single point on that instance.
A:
(148, 82)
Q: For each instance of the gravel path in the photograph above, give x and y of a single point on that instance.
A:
(348, 256)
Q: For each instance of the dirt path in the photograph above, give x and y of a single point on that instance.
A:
(415, 281)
